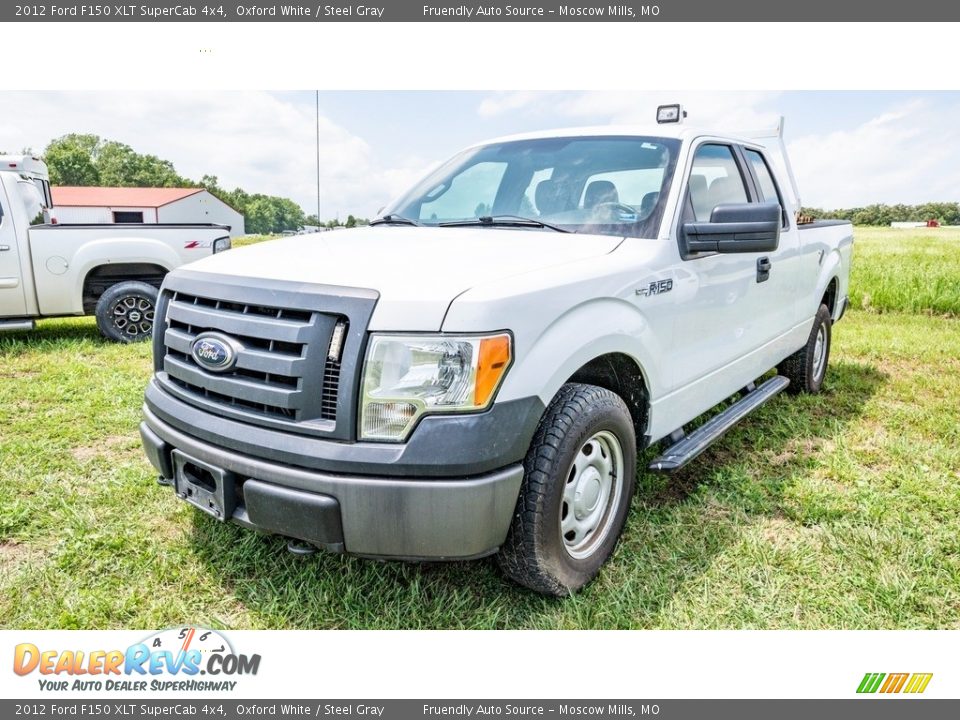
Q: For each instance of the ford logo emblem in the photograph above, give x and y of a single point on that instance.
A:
(216, 352)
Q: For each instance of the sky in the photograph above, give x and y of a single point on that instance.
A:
(848, 148)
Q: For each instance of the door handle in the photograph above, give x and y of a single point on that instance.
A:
(763, 269)
(4, 248)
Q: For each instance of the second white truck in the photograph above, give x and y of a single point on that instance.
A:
(111, 271)
(475, 373)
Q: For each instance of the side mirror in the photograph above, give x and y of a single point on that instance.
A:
(735, 228)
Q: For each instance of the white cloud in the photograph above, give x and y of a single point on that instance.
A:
(254, 140)
(501, 103)
(910, 154)
(265, 142)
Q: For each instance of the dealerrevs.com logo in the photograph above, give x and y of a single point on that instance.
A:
(173, 659)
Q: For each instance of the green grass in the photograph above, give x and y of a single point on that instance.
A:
(253, 239)
(835, 511)
(907, 270)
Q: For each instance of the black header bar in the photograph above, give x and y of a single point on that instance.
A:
(490, 11)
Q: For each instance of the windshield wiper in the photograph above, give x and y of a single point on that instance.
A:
(394, 220)
(504, 221)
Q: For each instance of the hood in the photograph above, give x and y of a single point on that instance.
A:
(417, 271)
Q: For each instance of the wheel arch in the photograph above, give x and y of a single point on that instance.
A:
(100, 277)
(621, 374)
(829, 290)
(109, 255)
(831, 295)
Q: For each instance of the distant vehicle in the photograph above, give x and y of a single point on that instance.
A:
(111, 271)
(475, 373)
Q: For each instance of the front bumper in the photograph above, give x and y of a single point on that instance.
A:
(371, 515)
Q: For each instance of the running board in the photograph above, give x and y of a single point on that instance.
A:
(8, 325)
(687, 448)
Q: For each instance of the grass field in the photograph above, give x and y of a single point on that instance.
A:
(907, 271)
(835, 511)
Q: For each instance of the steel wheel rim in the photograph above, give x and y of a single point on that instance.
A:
(133, 315)
(820, 352)
(592, 490)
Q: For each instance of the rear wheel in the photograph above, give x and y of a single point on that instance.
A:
(125, 311)
(807, 367)
(579, 476)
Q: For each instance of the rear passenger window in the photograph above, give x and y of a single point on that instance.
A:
(715, 180)
(768, 186)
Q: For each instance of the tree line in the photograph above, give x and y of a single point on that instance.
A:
(89, 160)
(946, 213)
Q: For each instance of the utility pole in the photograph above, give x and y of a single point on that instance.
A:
(319, 221)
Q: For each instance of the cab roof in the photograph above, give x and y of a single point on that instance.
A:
(678, 131)
(25, 165)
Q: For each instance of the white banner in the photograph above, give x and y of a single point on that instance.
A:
(188, 662)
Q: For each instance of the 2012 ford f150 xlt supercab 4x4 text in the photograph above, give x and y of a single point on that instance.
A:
(475, 372)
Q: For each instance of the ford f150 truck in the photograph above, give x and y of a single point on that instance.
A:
(475, 373)
(112, 271)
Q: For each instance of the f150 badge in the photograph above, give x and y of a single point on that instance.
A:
(657, 287)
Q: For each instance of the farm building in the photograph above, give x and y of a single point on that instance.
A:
(911, 225)
(82, 205)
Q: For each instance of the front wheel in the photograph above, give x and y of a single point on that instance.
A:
(579, 476)
(125, 311)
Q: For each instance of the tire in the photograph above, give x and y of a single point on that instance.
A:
(550, 547)
(125, 311)
(807, 367)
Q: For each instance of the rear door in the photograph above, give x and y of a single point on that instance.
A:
(12, 301)
(779, 295)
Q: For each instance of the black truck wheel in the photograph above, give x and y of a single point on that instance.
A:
(125, 311)
(807, 367)
(579, 476)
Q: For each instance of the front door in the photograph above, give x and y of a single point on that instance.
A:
(12, 302)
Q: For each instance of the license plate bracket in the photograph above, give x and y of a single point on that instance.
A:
(207, 487)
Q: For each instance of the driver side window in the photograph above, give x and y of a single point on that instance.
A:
(715, 179)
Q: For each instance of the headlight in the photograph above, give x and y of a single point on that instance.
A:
(221, 244)
(408, 376)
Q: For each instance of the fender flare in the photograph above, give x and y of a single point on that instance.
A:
(829, 271)
(118, 251)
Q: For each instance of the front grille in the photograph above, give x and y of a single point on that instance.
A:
(274, 376)
(331, 385)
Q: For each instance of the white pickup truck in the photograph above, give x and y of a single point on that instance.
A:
(475, 373)
(112, 271)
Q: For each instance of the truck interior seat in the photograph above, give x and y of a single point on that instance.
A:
(547, 197)
(725, 190)
(599, 192)
(647, 204)
(700, 197)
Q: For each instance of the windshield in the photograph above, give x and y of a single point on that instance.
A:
(606, 185)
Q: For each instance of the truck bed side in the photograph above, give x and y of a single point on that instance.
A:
(72, 263)
(832, 243)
